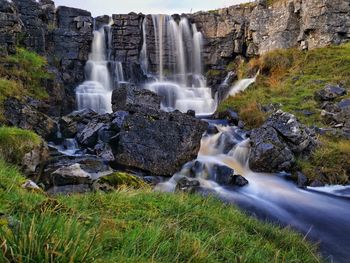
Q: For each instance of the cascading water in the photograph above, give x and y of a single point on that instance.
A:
(102, 74)
(180, 79)
(321, 217)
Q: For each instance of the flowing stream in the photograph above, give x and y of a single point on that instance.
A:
(322, 214)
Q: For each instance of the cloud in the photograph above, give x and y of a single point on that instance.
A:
(108, 7)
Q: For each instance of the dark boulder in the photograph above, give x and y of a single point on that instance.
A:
(118, 118)
(89, 135)
(129, 96)
(158, 142)
(299, 138)
(302, 180)
(239, 180)
(275, 144)
(222, 174)
(27, 117)
(330, 92)
(268, 152)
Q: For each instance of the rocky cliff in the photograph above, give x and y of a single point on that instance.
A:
(64, 35)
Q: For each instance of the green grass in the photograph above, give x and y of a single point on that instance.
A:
(135, 226)
(290, 78)
(22, 74)
(15, 143)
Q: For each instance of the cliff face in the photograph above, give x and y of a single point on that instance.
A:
(64, 35)
(256, 28)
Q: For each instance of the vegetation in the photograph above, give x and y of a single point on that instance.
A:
(14, 143)
(119, 179)
(135, 226)
(22, 74)
(289, 79)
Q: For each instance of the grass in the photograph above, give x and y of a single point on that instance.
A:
(289, 78)
(22, 74)
(329, 163)
(135, 226)
(15, 143)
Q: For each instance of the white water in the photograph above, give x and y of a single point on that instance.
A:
(241, 85)
(102, 74)
(179, 73)
(322, 217)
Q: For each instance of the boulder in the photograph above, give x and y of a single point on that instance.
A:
(89, 135)
(239, 180)
(330, 92)
(27, 117)
(302, 180)
(158, 142)
(70, 175)
(63, 170)
(269, 153)
(275, 144)
(129, 96)
(222, 174)
(299, 138)
(33, 161)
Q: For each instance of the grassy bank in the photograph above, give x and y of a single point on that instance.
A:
(22, 74)
(135, 226)
(289, 79)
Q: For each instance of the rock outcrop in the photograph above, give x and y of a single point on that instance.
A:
(275, 145)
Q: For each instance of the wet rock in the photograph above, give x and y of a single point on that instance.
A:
(118, 118)
(229, 115)
(222, 174)
(187, 185)
(317, 183)
(212, 130)
(158, 142)
(299, 138)
(330, 92)
(191, 113)
(268, 152)
(27, 117)
(125, 97)
(89, 135)
(239, 180)
(302, 180)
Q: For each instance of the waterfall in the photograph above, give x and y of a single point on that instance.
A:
(96, 92)
(179, 74)
(144, 54)
(241, 86)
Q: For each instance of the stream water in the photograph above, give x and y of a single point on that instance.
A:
(321, 214)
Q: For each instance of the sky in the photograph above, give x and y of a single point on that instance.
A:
(108, 7)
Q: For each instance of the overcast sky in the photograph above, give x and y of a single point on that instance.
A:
(108, 7)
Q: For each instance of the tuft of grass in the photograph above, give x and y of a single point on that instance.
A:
(136, 226)
(15, 143)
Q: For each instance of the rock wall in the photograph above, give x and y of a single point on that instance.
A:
(64, 35)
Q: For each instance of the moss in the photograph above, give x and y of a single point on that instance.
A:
(15, 143)
(120, 179)
(137, 226)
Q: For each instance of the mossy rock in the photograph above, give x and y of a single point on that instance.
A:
(120, 179)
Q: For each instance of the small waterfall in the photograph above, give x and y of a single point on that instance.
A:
(180, 77)
(144, 55)
(241, 86)
(102, 74)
